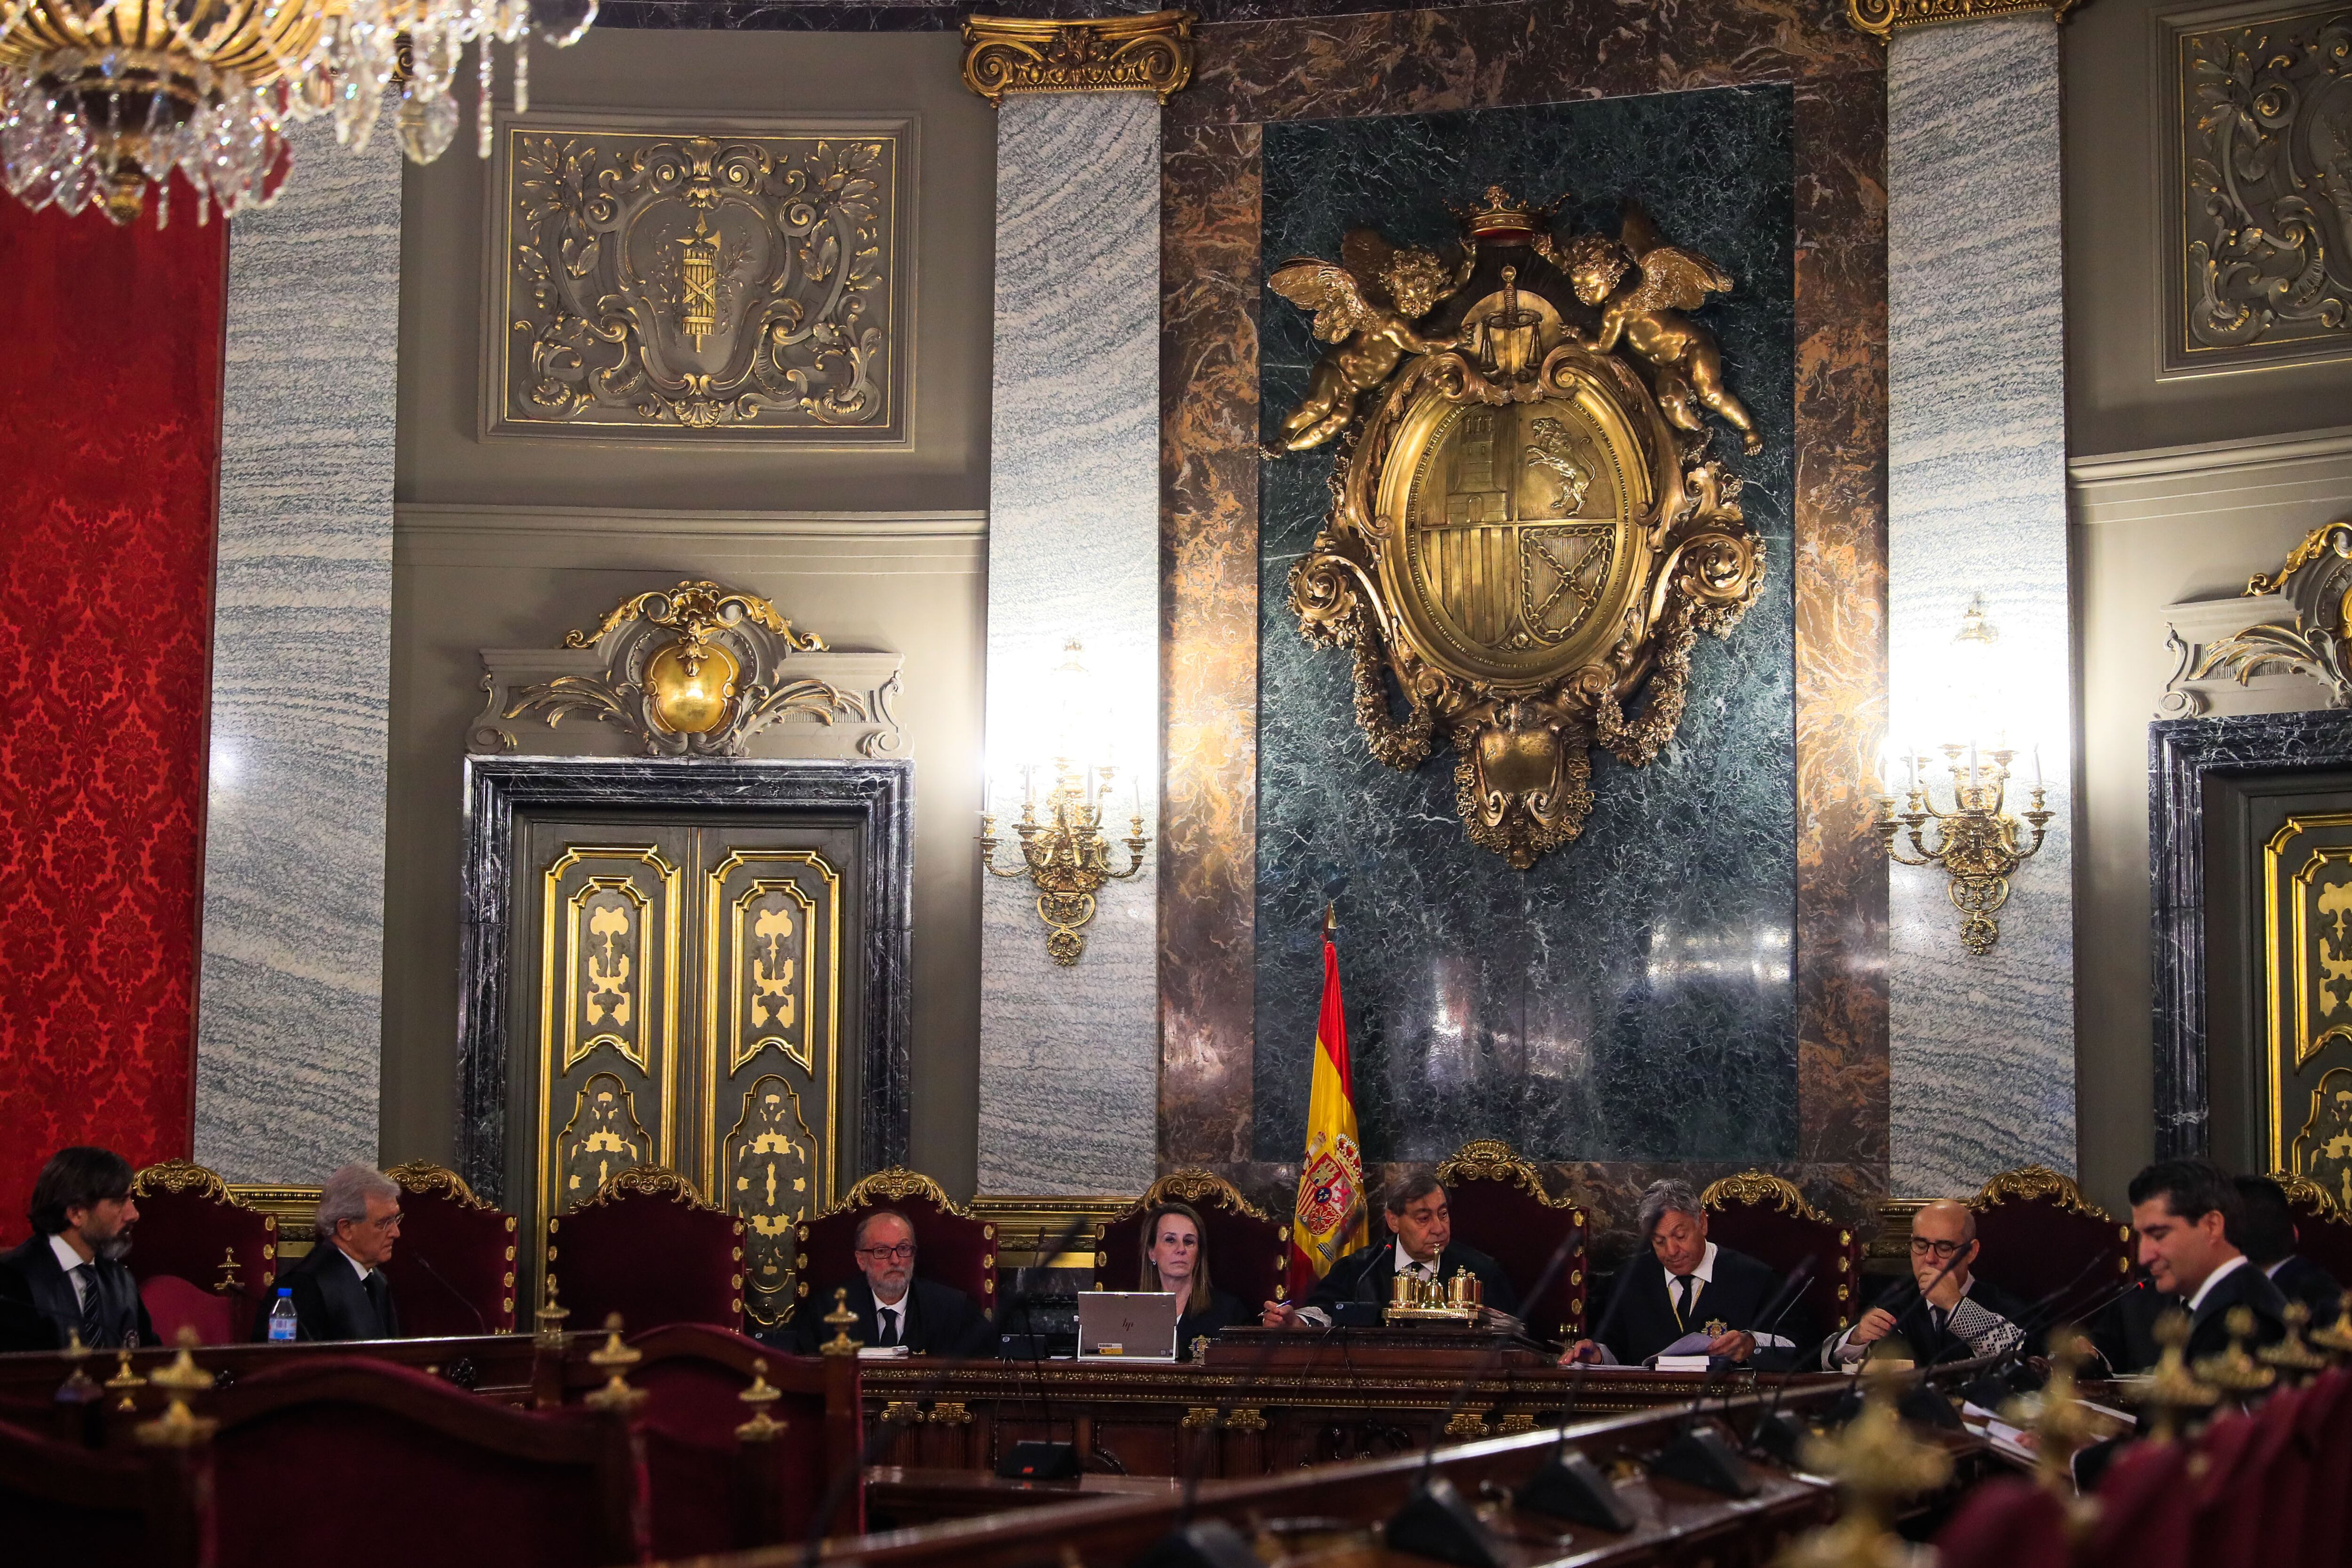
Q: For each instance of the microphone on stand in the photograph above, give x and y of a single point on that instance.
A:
(425, 1264)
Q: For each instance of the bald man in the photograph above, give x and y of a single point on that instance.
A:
(1962, 1317)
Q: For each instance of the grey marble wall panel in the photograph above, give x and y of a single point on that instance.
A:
(288, 1028)
(1069, 1056)
(1982, 1047)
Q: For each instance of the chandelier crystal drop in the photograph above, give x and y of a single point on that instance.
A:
(101, 98)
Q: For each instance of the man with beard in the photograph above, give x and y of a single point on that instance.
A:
(69, 1278)
(894, 1306)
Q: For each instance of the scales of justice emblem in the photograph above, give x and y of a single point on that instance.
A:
(1527, 533)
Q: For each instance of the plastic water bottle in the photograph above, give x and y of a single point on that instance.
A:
(281, 1318)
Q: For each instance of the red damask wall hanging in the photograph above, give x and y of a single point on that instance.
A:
(110, 453)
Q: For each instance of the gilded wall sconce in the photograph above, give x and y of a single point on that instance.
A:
(1065, 852)
(1978, 842)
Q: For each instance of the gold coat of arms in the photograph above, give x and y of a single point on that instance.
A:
(1526, 534)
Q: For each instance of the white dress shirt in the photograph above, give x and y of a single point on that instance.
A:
(2212, 1279)
(71, 1262)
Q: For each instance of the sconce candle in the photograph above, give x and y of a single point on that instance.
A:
(1066, 853)
(1977, 842)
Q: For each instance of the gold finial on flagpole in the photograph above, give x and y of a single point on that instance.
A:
(1330, 918)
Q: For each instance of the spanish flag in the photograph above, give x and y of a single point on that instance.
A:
(1329, 1220)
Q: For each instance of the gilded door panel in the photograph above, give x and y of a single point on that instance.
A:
(770, 1044)
(2308, 978)
(610, 949)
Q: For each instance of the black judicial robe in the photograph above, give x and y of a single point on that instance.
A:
(330, 1302)
(939, 1320)
(2300, 1279)
(1640, 1321)
(1368, 1274)
(1222, 1312)
(2125, 1336)
(1918, 1329)
(39, 1307)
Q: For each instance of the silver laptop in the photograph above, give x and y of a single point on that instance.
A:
(1127, 1325)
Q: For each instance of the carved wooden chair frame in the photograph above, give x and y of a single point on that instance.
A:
(187, 1176)
(1194, 1186)
(650, 1181)
(1492, 1160)
(893, 1185)
(1756, 1188)
(425, 1177)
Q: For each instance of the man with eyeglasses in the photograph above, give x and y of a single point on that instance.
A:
(1944, 1311)
(895, 1308)
(340, 1288)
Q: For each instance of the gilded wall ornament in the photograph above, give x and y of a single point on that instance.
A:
(2314, 583)
(1882, 18)
(1525, 530)
(1110, 54)
(2262, 168)
(733, 287)
(698, 670)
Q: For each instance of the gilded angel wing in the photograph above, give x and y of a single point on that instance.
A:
(1676, 279)
(1331, 292)
(1366, 256)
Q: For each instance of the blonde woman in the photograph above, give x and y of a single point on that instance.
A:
(1175, 1261)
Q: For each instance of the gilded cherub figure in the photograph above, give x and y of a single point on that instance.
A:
(1366, 308)
(1646, 313)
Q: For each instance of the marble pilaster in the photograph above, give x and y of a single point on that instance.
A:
(1069, 1056)
(289, 1029)
(1982, 1048)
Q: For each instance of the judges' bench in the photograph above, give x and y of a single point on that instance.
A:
(1262, 1401)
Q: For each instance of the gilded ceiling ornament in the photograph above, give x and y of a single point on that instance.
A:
(735, 287)
(1525, 530)
(1881, 18)
(1111, 53)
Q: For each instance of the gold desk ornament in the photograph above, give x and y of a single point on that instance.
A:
(2234, 1372)
(2294, 1356)
(617, 1356)
(1067, 856)
(179, 1426)
(841, 1319)
(2336, 1337)
(1876, 1463)
(1883, 18)
(1107, 54)
(1525, 532)
(2056, 1416)
(761, 1394)
(2172, 1389)
(124, 1382)
(551, 1335)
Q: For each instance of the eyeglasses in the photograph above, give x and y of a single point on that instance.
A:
(903, 1252)
(1941, 1251)
(383, 1226)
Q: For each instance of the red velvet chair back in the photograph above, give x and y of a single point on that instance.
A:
(453, 1271)
(2038, 1234)
(192, 1226)
(462, 1481)
(952, 1245)
(61, 1503)
(2321, 1232)
(2005, 1523)
(2226, 1498)
(1768, 1220)
(2326, 1421)
(1247, 1251)
(712, 1491)
(647, 1247)
(2144, 1510)
(173, 1304)
(1500, 1208)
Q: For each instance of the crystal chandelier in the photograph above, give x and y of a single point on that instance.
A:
(100, 98)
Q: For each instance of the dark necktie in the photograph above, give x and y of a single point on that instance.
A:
(1685, 1292)
(890, 1316)
(1937, 1318)
(93, 1320)
(379, 1303)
